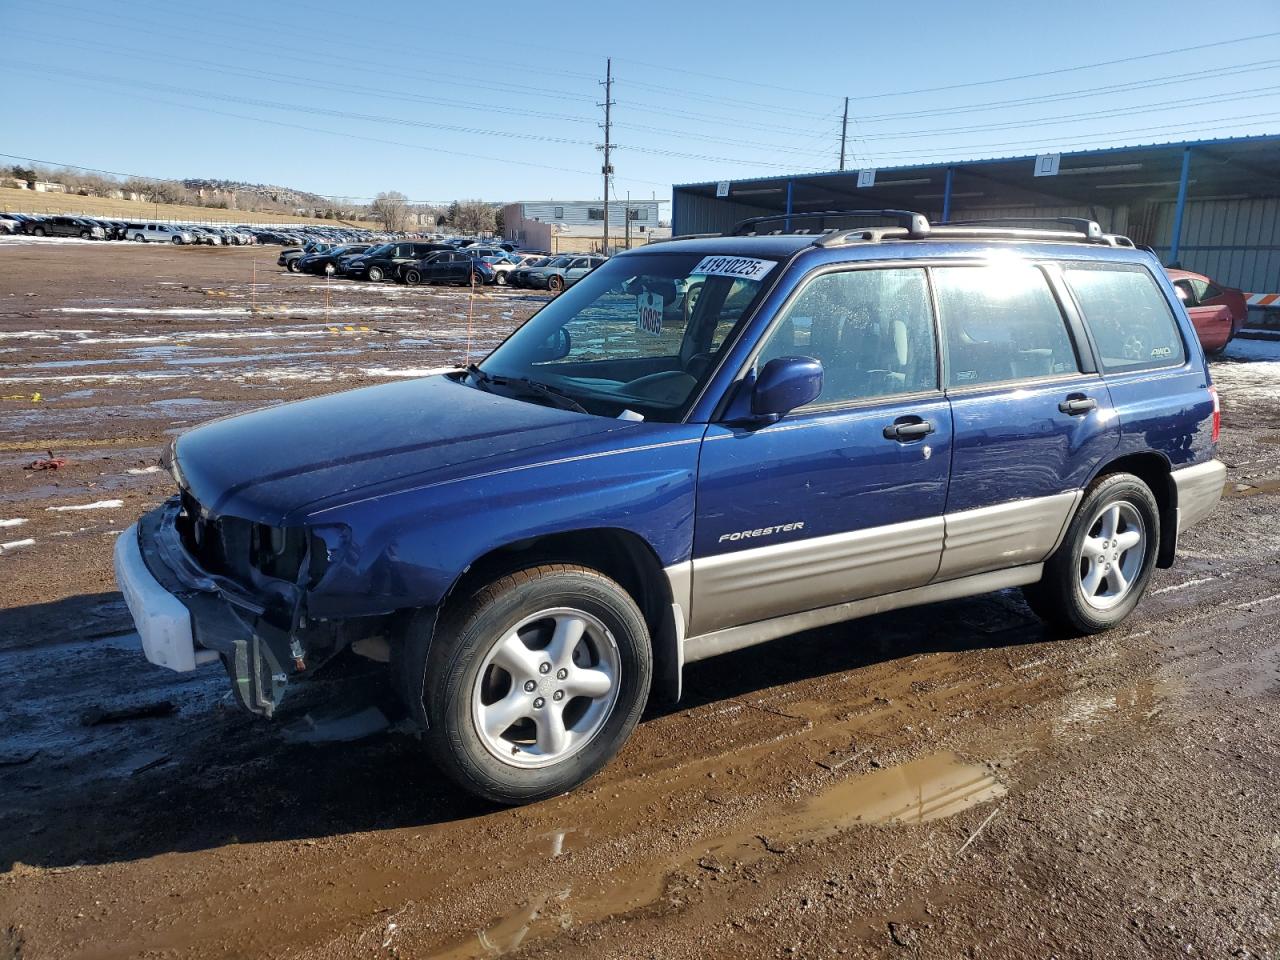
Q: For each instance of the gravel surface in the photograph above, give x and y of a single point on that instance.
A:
(943, 782)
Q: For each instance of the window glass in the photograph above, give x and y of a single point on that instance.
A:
(641, 333)
(1186, 292)
(1130, 319)
(1001, 322)
(872, 330)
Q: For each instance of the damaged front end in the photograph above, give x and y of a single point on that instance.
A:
(244, 587)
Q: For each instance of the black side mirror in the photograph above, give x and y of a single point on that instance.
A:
(784, 384)
(555, 347)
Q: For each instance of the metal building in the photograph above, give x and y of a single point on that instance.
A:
(1212, 206)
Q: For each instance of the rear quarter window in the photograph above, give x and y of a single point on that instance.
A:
(1128, 315)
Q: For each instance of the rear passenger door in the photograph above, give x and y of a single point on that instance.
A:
(831, 503)
(1033, 417)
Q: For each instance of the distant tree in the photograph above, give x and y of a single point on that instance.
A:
(390, 209)
(24, 173)
(498, 223)
(473, 217)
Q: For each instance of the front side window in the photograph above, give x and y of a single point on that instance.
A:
(1001, 322)
(1128, 315)
(872, 331)
(641, 333)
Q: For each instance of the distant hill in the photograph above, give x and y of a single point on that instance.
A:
(264, 193)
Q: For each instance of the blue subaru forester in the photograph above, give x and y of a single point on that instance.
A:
(704, 444)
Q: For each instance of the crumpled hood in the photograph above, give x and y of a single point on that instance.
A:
(277, 465)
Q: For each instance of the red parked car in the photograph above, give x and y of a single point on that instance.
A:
(1217, 312)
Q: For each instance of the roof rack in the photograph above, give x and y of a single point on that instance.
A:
(910, 225)
(916, 224)
(1090, 228)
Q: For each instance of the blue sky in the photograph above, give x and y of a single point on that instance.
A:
(498, 101)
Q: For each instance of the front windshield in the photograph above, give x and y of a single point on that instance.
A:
(379, 250)
(640, 334)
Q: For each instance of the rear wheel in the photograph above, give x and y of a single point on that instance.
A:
(376, 274)
(412, 277)
(86, 235)
(1098, 574)
(39, 231)
(501, 278)
(555, 283)
(139, 238)
(176, 240)
(532, 684)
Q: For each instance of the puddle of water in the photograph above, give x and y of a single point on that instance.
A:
(932, 787)
(929, 788)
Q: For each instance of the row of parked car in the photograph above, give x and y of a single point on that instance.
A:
(101, 228)
(415, 262)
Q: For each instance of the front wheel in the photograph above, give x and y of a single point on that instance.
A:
(39, 231)
(376, 274)
(501, 279)
(86, 235)
(531, 685)
(412, 277)
(1098, 574)
(177, 241)
(293, 266)
(555, 283)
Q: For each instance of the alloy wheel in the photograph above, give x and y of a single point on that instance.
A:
(546, 687)
(1112, 554)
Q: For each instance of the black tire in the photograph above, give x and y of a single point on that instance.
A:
(176, 240)
(293, 265)
(555, 283)
(440, 675)
(501, 278)
(1059, 598)
(86, 235)
(474, 281)
(139, 238)
(375, 274)
(39, 231)
(412, 277)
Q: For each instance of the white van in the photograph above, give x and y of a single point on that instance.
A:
(159, 233)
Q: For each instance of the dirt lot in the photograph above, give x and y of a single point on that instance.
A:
(947, 782)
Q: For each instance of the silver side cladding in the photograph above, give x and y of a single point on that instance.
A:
(1199, 490)
(1006, 535)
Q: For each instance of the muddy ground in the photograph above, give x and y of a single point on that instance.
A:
(944, 782)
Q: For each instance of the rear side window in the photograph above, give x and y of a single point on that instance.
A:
(1128, 315)
(872, 330)
(1001, 323)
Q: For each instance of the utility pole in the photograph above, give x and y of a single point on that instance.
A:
(844, 131)
(607, 169)
(626, 220)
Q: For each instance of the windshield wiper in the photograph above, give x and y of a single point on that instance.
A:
(479, 375)
(557, 396)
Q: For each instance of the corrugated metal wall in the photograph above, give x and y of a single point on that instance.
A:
(691, 213)
(1236, 242)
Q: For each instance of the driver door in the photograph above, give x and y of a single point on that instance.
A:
(832, 503)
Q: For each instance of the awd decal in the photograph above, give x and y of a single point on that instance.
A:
(762, 531)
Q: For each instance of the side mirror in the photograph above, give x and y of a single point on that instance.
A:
(555, 347)
(784, 384)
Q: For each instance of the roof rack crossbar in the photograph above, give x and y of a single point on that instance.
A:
(916, 224)
(1090, 228)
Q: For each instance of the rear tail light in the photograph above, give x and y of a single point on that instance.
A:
(1217, 413)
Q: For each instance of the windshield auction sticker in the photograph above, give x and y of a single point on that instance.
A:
(649, 314)
(744, 268)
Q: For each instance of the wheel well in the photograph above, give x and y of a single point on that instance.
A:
(620, 555)
(1153, 470)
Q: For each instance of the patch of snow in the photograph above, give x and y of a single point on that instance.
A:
(96, 505)
(16, 522)
(406, 372)
(138, 471)
(1239, 349)
(16, 544)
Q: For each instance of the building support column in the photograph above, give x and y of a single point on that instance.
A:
(1178, 210)
(946, 197)
(786, 226)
